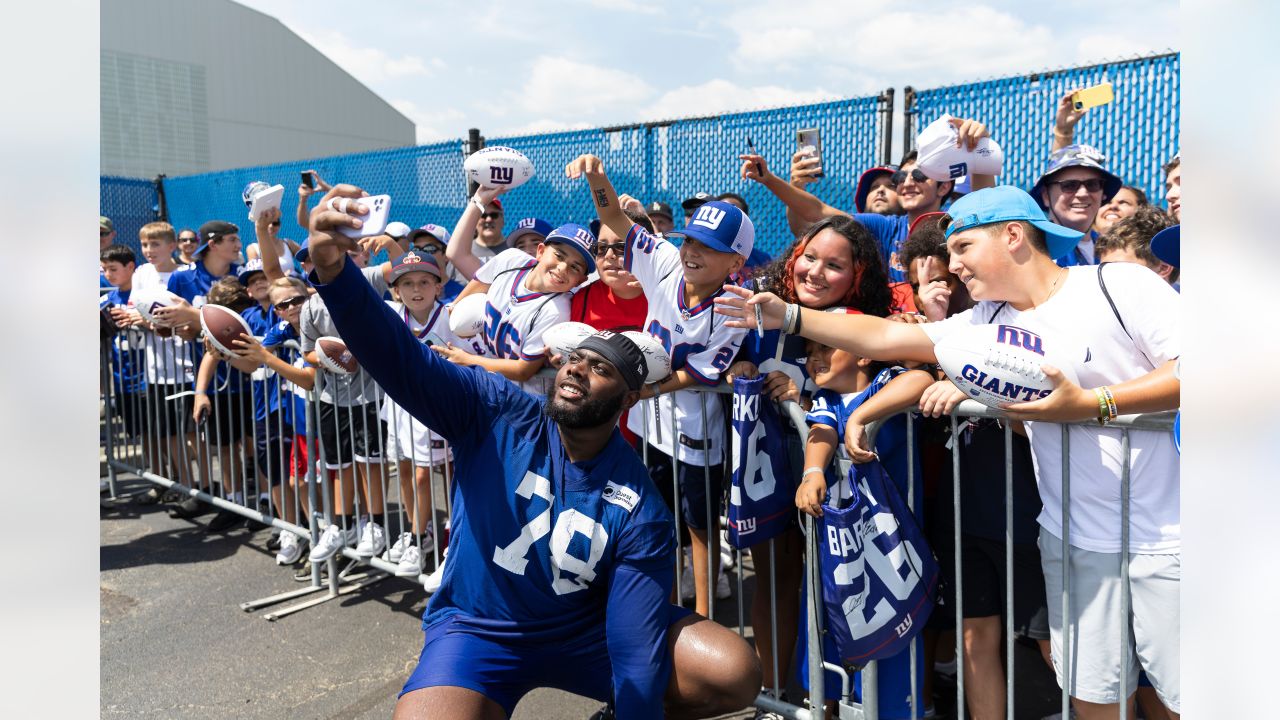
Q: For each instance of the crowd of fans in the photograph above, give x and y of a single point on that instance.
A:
(887, 257)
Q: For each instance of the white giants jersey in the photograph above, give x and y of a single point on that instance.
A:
(699, 342)
(515, 316)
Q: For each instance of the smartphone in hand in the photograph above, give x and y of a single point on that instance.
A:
(308, 179)
(811, 139)
(375, 221)
(1092, 96)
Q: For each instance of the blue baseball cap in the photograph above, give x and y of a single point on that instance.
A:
(578, 238)
(1005, 204)
(534, 225)
(722, 227)
(249, 268)
(304, 253)
(864, 184)
(415, 261)
(1166, 244)
(1084, 156)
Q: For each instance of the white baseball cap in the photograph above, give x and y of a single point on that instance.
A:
(397, 230)
(939, 158)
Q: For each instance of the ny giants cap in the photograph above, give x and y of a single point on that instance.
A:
(249, 268)
(1004, 204)
(939, 158)
(658, 208)
(530, 225)
(721, 227)
(436, 231)
(578, 238)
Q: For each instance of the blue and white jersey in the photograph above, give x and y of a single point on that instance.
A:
(126, 347)
(515, 316)
(192, 282)
(542, 549)
(699, 342)
(890, 232)
(295, 410)
(833, 409)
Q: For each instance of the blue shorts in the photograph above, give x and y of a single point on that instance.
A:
(504, 670)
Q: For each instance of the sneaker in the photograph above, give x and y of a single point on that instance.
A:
(431, 583)
(290, 549)
(303, 573)
(273, 542)
(224, 520)
(330, 542)
(396, 551)
(722, 586)
(410, 564)
(372, 540)
(188, 509)
(766, 715)
(727, 557)
(150, 497)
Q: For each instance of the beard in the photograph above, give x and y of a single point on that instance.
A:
(591, 413)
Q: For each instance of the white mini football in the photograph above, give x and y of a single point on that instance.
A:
(467, 316)
(656, 357)
(147, 301)
(564, 338)
(498, 166)
(997, 364)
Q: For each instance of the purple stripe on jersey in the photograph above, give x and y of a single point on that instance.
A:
(701, 306)
(531, 358)
(626, 250)
(515, 285)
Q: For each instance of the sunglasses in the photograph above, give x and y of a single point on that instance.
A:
(103, 233)
(490, 215)
(431, 248)
(186, 240)
(618, 249)
(900, 176)
(1071, 187)
(292, 302)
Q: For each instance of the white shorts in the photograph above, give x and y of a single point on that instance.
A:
(410, 440)
(1152, 627)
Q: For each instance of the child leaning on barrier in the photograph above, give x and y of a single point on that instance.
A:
(416, 281)
(284, 423)
(128, 381)
(680, 284)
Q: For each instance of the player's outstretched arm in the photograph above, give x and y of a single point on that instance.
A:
(603, 197)
(865, 335)
(446, 398)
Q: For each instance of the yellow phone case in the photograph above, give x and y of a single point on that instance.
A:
(1093, 96)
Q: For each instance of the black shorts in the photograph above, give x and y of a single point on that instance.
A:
(983, 568)
(695, 501)
(230, 418)
(132, 408)
(273, 442)
(348, 433)
(168, 418)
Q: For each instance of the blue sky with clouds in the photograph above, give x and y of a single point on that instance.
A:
(534, 66)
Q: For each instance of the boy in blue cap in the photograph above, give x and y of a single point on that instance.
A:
(1002, 248)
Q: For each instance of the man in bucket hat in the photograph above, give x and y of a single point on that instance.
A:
(1072, 189)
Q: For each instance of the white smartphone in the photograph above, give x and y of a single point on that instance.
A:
(375, 222)
(811, 138)
(266, 200)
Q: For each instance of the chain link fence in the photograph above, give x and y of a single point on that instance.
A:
(1138, 131)
(671, 160)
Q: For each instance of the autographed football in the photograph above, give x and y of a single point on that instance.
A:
(148, 300)
(498, 166)
(656, 357)
(562, 339)
(223, 325)
(997, 364)
(335, 356)
(466, 316)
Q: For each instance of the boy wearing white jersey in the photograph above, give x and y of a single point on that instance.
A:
(680, 285)
(1120, 323)
(526, 295)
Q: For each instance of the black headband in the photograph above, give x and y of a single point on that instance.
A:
(619, 350)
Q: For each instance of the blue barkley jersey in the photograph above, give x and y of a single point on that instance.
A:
(890, 232)
(542, 549)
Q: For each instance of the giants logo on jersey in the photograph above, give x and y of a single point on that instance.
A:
(708, 217)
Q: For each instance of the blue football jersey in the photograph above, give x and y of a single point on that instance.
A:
(542, 549)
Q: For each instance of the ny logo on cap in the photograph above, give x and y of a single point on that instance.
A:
(525, 223)
(501, 175)
(584, 236)
(708, 217)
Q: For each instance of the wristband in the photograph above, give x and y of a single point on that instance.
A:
(657, 388)
(814, 469)
(200, 392)
(475, 200)
(790, 322)
(1111, 403)
(1102, 406)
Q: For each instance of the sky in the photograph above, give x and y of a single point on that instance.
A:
(536, 66)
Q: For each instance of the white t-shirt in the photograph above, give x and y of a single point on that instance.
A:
(168, 359)
(1105, 355)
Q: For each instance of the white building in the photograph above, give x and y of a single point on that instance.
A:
(192, 86)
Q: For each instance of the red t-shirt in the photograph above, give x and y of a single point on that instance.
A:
(597, 306)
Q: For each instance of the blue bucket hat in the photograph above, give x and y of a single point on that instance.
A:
(578, 238)
(1084, 156)
(720, 226)
(1166, 245)
(1005, 204)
